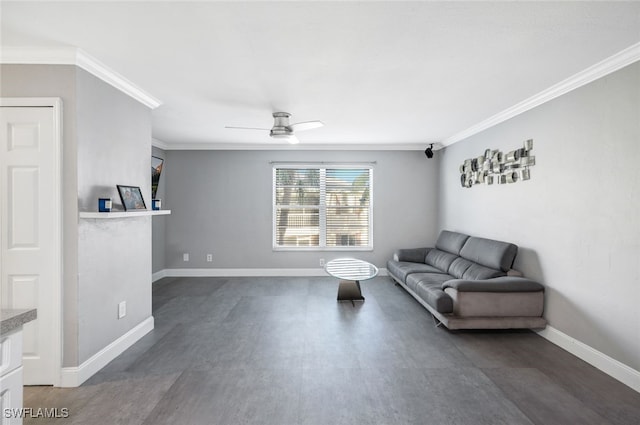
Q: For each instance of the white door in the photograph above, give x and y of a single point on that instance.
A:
(30, 229)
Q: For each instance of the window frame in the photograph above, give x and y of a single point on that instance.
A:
(322, 207)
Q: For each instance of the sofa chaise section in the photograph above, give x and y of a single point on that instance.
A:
(466, 282)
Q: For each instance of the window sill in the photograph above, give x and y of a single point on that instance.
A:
(323, 249)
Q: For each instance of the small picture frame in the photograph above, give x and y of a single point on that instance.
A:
(131, 197)
(156, 170)
(104, 204)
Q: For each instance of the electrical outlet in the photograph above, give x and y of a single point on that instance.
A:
(122, 309)
(322, 262)
(185, 256)
(209, 258)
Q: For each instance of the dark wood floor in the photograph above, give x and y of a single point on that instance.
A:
(281, 351)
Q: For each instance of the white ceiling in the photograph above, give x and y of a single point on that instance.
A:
(379, 74)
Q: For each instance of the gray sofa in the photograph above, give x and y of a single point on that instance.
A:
(467, 283)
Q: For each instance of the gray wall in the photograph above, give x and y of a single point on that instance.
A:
(114, 145)
(106, 141)
(576, 221)
(160, 221)
(221, 203)
(58, 81)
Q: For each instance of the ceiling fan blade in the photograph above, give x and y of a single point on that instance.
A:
(307, 125)
(293, 139)
(246, 128)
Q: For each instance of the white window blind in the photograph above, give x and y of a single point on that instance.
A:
(322, 207)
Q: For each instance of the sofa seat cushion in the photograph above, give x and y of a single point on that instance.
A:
(441, 260)
(435, 296)
(436, 278)
(401, 269)
(428, 286)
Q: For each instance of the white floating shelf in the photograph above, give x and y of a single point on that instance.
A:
(123, 214)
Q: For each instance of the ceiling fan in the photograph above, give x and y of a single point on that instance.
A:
(282, 129)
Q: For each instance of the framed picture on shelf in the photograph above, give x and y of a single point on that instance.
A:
(131, 197)
(156, 170)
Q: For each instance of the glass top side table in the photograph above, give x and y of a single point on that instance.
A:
(350, 271)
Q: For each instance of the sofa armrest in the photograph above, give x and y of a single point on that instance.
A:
(414, 255)
(498, 284)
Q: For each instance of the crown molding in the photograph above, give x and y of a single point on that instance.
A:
(75, 56)
(607, 66)
(286, 146)
(160, 144)
(97, 68)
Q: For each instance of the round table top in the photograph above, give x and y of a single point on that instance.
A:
(351, 269)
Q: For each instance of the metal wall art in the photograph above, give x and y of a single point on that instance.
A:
(496, 167)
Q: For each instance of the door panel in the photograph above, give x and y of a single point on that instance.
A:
(22, 291)
(23, 222)
(28, 229)
(23, 135)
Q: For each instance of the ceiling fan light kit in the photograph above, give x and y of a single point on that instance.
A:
(283, 130)
(291, 138)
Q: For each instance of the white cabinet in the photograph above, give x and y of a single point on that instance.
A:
(11, 377)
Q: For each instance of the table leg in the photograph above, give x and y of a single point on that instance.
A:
(349, 290)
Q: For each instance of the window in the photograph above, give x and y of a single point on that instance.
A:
(322, 208)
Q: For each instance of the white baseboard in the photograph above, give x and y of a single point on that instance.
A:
(608, 365)
(158, 275)
(244, 273)
(75, 376)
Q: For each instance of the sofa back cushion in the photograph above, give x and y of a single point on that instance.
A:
(458, 267)
(451, 242)
(462, 268)
(489, 253)
(439, 259)
(478, 272)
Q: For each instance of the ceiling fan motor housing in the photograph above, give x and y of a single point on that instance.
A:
(281, 124)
